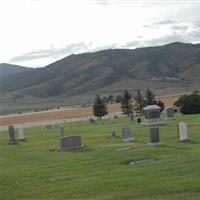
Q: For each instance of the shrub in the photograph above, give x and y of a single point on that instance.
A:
(189, 104)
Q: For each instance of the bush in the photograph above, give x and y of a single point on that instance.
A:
(99, 107)
(189, 104)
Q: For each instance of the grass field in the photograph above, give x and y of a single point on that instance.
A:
(35, 170)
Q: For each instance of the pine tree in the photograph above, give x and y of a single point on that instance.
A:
(150, 97)
(99, 107)
(126, 106)
(139, 100)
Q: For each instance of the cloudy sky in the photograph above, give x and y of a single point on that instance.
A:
(35, 33)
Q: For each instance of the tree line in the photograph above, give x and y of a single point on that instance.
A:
(126, 100)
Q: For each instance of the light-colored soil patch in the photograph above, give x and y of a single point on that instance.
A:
(169, 100)
(66, 113)
(53, 115)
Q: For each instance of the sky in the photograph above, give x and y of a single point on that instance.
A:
(35, 33)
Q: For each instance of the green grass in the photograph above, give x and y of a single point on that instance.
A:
(34, 169)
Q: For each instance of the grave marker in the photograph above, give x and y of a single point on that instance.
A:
(183, 132)
(62, 133)
(154, 136)
(127, 134)
(114, 134)
(169, 113)
(12, 138)
(152, 116)
(70, 142)
(21, 134)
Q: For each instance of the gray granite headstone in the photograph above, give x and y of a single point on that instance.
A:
(154, 136)
(12, 138)
(152, 116)
(131, 116)
(114, 134)
(21, 134)
(62, 133)
(70, 142)
(169, 113)
(127, 134)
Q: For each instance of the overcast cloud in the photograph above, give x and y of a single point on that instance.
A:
(37, 32)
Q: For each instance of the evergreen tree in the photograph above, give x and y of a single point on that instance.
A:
(110, 98)
(139, 100)
(99, 107)
(150, 97)
(118, 98)
(126, 106)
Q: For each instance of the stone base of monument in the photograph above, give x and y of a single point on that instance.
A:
(170, 118)
(185, 141)
(12, 142)
(22, 140)
(152, 122)
(70, 142)
(154, 144)
(128, 139)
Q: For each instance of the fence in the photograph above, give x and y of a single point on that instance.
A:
(58, 121)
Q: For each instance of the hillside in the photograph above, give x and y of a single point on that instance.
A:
(8, 69)
(165, 69)
(85, 72)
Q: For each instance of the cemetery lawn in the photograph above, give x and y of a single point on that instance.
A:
(35, 170)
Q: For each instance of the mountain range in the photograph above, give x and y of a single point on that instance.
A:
(175, 65)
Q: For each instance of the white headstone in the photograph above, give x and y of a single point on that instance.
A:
(183, 132)
(21, 133)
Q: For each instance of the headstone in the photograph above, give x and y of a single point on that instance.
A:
(183, 132)
(123, 149)
(114, 134)
(62, 134)
(48, 127)
(12, 138)
(21, 134)
(92, 120)
(131, 116)
(141, 162)
(70, 142)
(154, 136)
(169, 113)
(127, 134)
(114, 116)
(152, 116)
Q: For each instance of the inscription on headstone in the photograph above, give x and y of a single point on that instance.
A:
(12, 138)
(154, 114)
